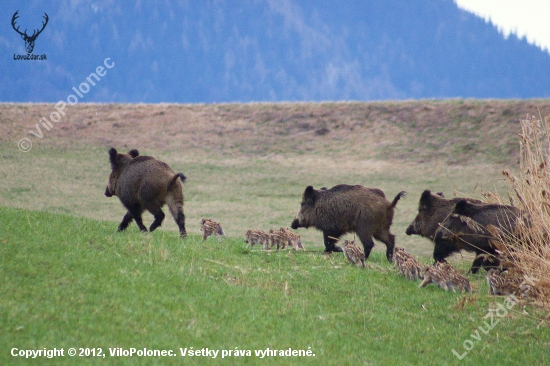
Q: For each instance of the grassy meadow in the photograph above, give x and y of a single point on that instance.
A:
(70, 280)
(73, 282)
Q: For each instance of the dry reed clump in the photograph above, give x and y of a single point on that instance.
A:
(527, 249)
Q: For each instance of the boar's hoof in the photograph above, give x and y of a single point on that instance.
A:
(335, 249)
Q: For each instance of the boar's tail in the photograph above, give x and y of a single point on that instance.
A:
(399, 196)
(175, 178)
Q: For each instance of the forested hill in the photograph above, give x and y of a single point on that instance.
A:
(265, 50)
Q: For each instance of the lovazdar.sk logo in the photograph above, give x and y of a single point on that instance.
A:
(29, 40)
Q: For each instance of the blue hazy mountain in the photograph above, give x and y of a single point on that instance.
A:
(264, 50)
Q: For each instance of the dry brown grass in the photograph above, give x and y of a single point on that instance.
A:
(528, 248)
(449, 132)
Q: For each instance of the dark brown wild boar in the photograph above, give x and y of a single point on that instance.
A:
(145, 183)
(433, 209)
(473, 224)
(450, 234)
(345, 209)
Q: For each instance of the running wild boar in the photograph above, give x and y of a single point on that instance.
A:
(344, 209)
(145, 183)
(474, 226)
(459, 224)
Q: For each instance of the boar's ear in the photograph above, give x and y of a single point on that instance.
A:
(133, 153)
(309, 194)
(113, 154)
(462, 208)
(440, 194)
(426, 199)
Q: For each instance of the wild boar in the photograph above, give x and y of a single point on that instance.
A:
(502, 283)
(345, 209)
(407, 264)
(434, 274)
(446, 277)
(472, 226)
(295, 241)
(437, 221)
(433, 209)
(145, 183)
(209, 228)
(455, 280)
(257, 237)
(278, 238)
(353, 253)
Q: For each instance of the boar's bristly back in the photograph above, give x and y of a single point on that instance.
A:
(461, 208)
(465, 208)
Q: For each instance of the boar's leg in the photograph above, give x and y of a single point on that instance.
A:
(366, 239)
(490, 262)
(484, 260)
(330, 241)
(180, 220)
(390, 248)
(135, 211)
(127, 220)
(175, 205)
(389, 240)
(477, 264)
(139, 223)
(177, 212)
(443, 249)
(159, 216)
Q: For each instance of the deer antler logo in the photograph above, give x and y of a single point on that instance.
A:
(29, 40)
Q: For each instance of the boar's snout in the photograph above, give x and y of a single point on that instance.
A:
(295, 224)
(107, 193)
(410, 230)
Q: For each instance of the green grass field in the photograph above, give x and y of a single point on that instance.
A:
(74, 282)
(69, 280)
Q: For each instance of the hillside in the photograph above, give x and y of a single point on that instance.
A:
(450, 132)
(226, 51)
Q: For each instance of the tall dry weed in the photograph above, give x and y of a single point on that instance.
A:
(528, 248)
